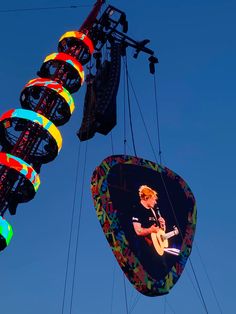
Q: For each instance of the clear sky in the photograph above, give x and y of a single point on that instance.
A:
(195, 44)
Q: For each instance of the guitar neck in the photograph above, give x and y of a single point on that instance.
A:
(170, 234)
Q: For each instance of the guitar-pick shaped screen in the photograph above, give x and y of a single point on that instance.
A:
(148, 215)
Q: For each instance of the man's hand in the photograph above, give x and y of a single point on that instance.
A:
(154, 229)
(162, 223)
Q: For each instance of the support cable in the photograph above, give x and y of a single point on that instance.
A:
(71, 227)
(124, 101)
(45, 8)
(144, 124)
(170, 307)
(157, 118)
(113, 285)
(126, 303)
(78, 228)
(129, 105)
(164, 310)
(132, 298)
(192, 282)
(136, 300)
(177, 223)
(112, 144)
(114, 267)
(199, 288)
(209, 280)
(197, 282)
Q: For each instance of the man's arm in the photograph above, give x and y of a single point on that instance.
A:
(140, 231)
(162, 223)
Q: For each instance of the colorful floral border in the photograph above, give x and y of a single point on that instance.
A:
(107, 216)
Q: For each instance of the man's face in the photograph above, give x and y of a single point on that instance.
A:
(151, 202)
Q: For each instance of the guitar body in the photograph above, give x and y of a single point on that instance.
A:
(159, 241)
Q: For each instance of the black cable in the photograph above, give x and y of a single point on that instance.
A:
(177, 223)
(113, 284)
(199, 288)
(141, 114)
(132, 298)
(124, 101)
(157, 119)
(71, 225)
(209, 280)
(129, 105)
(170, 307)
(78, 228)
(136, 300)
(192, 282)
(112, 144)
(126, 303)
(164, 311)
(201, 295)
(45, 8)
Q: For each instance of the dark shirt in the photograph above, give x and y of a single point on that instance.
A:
(146, 217)
(143, 246)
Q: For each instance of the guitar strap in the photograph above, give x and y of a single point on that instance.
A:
(154, 214)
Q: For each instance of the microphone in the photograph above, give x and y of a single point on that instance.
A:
(157, 209)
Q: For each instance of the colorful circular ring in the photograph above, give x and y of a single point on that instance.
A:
(5, 231)
(80, 36)
(22, 167)
(61, 56)
(36, 118)
(55, 86)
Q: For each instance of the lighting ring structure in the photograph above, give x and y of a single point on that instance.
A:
(63, 102)
(78, 36)
(21, 167)
(48, 130)
(6, 233)
(51, 66)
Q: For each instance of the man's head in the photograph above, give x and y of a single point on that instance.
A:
(148, 196)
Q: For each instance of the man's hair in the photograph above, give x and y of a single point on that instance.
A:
(145, 192)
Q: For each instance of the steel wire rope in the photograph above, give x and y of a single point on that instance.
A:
(125, 292)
(112, 144)
(113, 285)
(198, 285)
(78, 227)
(45, 8)
(114, 267)
(190, 260)
(156, 159)
(136, 300)
(164, 301)
(71, 227)
(128, 79)
(209, 279)
(141, 114)
(129, 105)
(124, 113)
(170, 307)
(193, 285)
(132, 299)
(157, 118)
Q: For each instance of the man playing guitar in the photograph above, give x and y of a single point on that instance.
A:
(148, 225)
(148, 199)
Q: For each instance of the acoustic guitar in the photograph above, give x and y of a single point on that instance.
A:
(160, 239)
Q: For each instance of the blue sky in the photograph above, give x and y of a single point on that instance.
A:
(195, 44)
